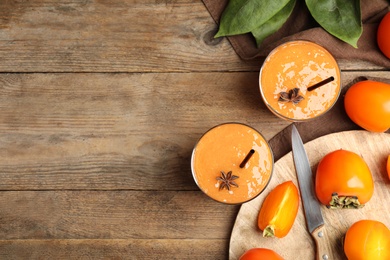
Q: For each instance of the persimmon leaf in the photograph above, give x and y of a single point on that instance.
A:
(242, 16)
(341, 18)
(274, 24)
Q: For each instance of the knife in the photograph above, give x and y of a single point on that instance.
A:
(311, 206)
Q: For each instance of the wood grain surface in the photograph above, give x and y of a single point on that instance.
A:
(116, 36)
(101, 103)
(374, 148)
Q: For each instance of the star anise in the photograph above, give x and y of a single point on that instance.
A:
(227, 180)
(291, 96)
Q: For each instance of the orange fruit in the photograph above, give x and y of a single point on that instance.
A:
(367, 239)
(383, 35)
(343, 180)
(367, 105)
(278, 211)
(260, 253)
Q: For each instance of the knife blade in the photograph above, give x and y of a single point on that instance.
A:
(311, 206)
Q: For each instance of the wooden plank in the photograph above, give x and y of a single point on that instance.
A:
(116, 131)
(122, 36)
(119, 131)
(213, 249)
(113, 215)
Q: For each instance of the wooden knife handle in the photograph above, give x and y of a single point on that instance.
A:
(323, 245)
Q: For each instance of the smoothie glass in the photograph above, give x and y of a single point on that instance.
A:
(299, 80)
(241, 153)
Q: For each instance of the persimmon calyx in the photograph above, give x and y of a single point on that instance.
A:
(269, 231)
(344, 202)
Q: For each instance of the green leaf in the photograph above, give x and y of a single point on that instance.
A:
(341, 18)
(274, 24)
(242, 16)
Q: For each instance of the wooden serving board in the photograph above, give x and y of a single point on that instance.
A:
(298, 244)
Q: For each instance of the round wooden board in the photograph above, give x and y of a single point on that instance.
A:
(298, 244)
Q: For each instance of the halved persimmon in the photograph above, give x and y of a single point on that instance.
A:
(278, 211)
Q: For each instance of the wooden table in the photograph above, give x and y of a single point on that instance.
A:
(101, 104)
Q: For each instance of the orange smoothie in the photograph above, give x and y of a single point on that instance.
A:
(223, 149)
(299, 65)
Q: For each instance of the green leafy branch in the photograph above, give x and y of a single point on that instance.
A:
(262, 18)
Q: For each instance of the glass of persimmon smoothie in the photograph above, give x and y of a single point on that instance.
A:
(232, 163)
(299, 80)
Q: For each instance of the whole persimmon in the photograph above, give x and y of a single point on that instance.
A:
(388, 166)
(367, 239)
(367, 104)
(343, 180)
(260, 253)
(383, 35)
